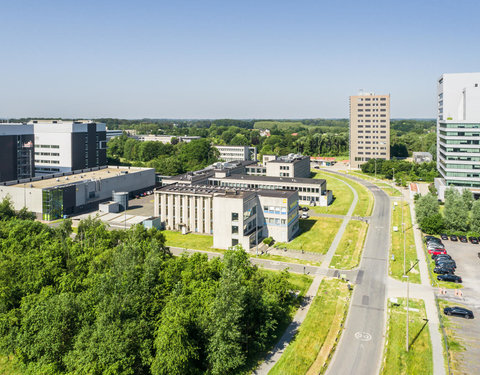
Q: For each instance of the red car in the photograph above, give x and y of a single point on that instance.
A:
(437, 251)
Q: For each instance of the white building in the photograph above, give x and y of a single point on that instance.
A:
(233, 216)
(291, 165)
(65, 146)
(164, 138)
(234, 153)
(458, 132)
(51, 197)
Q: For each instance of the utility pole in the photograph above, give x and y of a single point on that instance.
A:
(375, 168)
(256, 231)
(403, 229)
(393, 181)
(408, 300)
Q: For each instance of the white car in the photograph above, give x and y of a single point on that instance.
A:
(304, 215)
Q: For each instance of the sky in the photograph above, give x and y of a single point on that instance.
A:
(229, 59)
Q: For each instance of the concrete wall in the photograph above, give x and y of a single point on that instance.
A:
(23, 197)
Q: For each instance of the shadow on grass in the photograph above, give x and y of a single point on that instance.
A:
(306, 225)
(418, 334)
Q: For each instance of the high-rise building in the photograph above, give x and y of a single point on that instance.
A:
(16, 145)
(369, 128)
(458, 132)
(65, 146)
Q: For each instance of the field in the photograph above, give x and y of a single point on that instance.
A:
(316, 235)
(281, 258)
(343, 196)
(396, 251)
(308, 353)
(282, 125)
(418, 360)
(189, 241)
(347, 255)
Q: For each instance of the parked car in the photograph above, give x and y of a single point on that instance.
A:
(463, 239)
(445, 256)
(453, 238)
(305, 209)
(431, 238)
(304, 215)
(458, 311)
(432, 246)
(443, 270)
(449, 277)
(437, 251)
(446, 263)
(473, 240)
(443, 236)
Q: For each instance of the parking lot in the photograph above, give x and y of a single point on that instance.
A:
(467, 331)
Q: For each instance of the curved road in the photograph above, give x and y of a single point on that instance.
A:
(360, 347)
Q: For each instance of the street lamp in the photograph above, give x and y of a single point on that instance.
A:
(408, 296)
(375, 160)
(393, 181)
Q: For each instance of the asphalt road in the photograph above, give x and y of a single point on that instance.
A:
(360, 347)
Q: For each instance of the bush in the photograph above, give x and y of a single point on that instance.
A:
(268, 241)
(433, 224)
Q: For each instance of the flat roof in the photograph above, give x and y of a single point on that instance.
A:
(69, 178)
(224, 191)
(297, 180)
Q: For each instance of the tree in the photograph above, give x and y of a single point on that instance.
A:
(467, 197)
(6, 209)
(475, 222)
(432, 224)
(456, 213)
(240, 140)
(426, 206)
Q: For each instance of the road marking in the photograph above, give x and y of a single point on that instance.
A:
(363, 336)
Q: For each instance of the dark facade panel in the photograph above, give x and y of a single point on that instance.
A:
(8, 165)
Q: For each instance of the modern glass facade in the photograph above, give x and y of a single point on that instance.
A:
(52, 204)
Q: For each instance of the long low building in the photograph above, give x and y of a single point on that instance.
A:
(233, 216)
(310, 191)
(53, 196)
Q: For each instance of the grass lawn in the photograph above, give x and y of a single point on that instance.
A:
(316, 235)
(343, 196)
(364, 205)
(418, 360)
(393, 192)
(189, 241)
(280, 258)
(350, 247)
(396, 265)
(308, 353)
(455, 346)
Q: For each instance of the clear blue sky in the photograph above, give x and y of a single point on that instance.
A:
(229, 59)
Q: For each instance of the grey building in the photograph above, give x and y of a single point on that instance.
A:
(17, 150)
(50, 197)
(233, 153)
(232, 216)
(422, 157)
(291, 165)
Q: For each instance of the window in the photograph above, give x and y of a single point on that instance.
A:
(234, 229)
(234, 242)
(234, 216)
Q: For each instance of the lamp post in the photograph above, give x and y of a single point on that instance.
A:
(375, 160)
(408, 297)
(393, 181)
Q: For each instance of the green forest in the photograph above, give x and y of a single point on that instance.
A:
(315, 137)
(117, 302)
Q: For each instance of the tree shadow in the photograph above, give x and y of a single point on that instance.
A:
(418, 334)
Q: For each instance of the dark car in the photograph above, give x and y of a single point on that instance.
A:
(473, 240)
(441, 256)
(453, 238)
(458, 311)
(462, 239)
(304, 208)
(443, 270)
(443, 236)
(446, 263)
(431, 238)
(450, 277)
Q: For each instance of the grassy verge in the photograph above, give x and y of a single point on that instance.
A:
(418, 360)
(343, 196)
(364, 205)
(454, 344)
(189, 241)
(316, 235)
(281, 258)
(396, 262)
(347, 255)
(393, 192)
(308, 353)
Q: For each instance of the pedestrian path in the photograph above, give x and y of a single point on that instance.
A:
(274, 355)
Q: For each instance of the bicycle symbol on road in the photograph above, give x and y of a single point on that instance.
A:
(363, 336)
